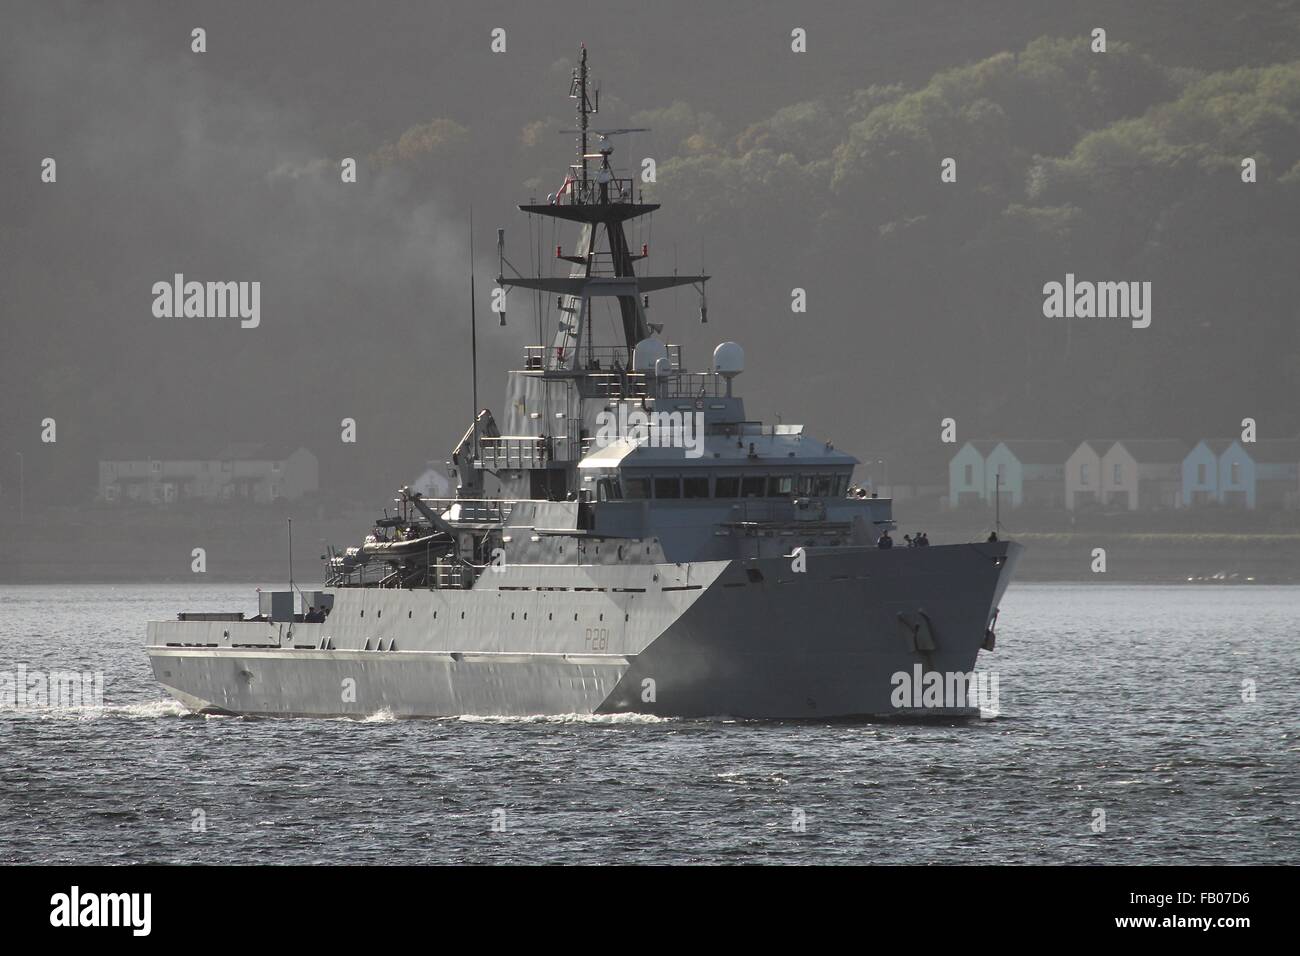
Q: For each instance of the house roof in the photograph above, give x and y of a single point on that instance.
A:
(1217, 446)
(1149, 450)
(981, 445)
(1035, 452)
(1098, 445)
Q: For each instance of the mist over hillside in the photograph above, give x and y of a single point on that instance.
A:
(777, 170)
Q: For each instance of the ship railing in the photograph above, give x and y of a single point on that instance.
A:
(598, 358)
(586, 192)
(452, 574)
(752, 429)
(616, 385)
(693, 385)
(473, 510)
(514, 451)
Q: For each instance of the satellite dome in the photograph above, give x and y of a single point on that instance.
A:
(646, 353)
(728, 360)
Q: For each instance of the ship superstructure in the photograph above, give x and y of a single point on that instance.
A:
(623, 539)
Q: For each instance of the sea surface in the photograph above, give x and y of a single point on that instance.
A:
(1132, 702)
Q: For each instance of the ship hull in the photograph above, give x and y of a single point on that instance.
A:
(744, 639)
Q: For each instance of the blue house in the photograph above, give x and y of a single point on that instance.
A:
(1201, 471)
(1026, 472)
(1236, 477)
(1243, 475)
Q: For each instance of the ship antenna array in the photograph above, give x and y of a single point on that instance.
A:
(473, 336)
(578, 91)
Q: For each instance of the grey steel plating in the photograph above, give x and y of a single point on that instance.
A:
(645, 547)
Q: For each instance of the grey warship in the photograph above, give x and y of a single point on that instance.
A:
(624, 541)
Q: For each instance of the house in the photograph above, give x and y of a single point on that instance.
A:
(1026, 473)
(1143, 473)
(243, 471)
(1201, 472)
(1236, 477)
(966, 474)
(1083, 473)
(1243, 474)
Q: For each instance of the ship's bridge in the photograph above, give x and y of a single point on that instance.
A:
(737, 460)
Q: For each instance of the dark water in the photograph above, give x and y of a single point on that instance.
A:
(1113, 698)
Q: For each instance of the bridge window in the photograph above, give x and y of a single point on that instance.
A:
(607, 489)
(728, 487)
(668, 487)
(780, 486)
(823, 486)
(637, 487)
(695, 487)
(752, 486)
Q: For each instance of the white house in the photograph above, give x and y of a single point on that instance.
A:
(1143, 473)
(1026, 472)
(1083, 473)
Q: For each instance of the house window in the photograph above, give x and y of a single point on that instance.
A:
(275, 467)
(1200, 473)
(1083, 473)
(1117, 475)
(155, 466)
(970, 474)
(1235, 471)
